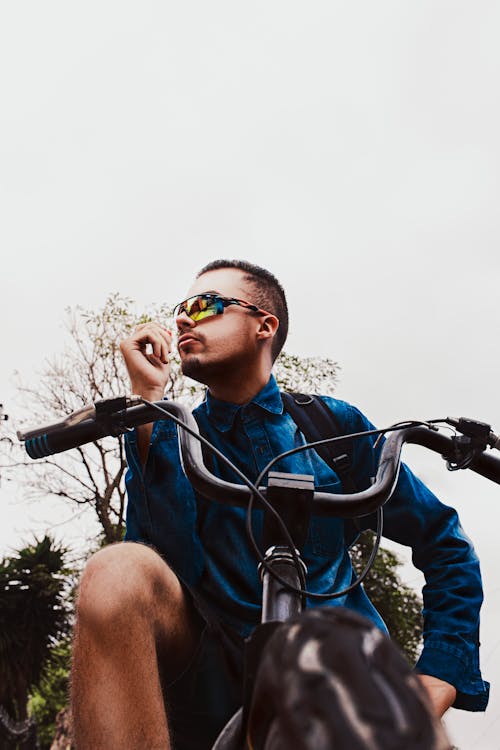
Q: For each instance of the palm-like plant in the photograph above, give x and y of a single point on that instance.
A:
(34, 614)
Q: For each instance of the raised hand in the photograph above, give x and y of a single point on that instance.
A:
(146, 354)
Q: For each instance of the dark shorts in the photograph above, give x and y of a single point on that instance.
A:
(209, 691)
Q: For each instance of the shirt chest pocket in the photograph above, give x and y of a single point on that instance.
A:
(326, 535)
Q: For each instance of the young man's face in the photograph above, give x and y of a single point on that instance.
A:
(212, 347)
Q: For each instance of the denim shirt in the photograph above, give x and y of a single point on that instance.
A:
(206, 544)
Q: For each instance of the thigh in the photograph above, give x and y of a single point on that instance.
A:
(127, 583)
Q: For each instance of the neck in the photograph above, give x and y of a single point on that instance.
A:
(240, 389)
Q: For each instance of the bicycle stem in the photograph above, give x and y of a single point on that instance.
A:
(279, 602)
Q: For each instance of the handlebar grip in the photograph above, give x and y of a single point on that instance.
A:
(64, 439)
(62, 436)
(59, 437)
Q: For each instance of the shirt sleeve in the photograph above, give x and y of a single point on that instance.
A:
(162, 508)
(442, 551)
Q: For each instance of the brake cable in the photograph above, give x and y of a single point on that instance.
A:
(380, 522)
(256, 493)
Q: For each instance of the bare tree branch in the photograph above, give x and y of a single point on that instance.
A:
(90, 367)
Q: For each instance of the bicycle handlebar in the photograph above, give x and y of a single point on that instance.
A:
(104, 419)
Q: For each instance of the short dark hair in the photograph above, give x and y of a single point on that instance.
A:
(267, 293)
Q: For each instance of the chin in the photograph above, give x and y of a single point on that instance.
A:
(204, 372)
(192, 368)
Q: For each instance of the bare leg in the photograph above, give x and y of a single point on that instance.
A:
(130, 606)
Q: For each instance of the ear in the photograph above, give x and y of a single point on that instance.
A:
(268, 325)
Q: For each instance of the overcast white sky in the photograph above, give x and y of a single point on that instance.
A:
(350, 147)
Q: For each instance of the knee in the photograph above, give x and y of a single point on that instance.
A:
(122, 582)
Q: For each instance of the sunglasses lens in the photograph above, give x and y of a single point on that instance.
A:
(201, 306)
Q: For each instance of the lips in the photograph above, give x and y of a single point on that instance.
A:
(186, 338)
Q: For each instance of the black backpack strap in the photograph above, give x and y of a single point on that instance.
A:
(317, 421)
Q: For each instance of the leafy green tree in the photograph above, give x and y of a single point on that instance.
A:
(399, 606)
(50, 695)
(34, 616)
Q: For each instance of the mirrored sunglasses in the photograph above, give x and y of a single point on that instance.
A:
(205, 305)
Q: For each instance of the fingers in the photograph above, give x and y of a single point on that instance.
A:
(152, 339)
(146, 355)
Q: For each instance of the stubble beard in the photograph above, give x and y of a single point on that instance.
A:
(192, 367)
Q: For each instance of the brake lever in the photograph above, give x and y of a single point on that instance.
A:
(480, 432)
(475, 437)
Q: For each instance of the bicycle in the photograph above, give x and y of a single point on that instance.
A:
(290, 501)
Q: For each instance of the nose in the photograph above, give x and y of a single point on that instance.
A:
(183, 322)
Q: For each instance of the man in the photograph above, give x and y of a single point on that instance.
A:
(161, 623)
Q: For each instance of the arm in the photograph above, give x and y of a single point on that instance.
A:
(453, 591)
(161, 508)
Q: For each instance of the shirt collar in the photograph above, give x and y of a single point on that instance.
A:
(222, 413)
